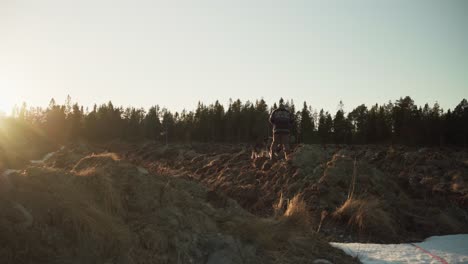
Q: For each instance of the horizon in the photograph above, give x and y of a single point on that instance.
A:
(298, 106)
(142, 53)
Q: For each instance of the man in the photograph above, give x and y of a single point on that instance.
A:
(282, 121)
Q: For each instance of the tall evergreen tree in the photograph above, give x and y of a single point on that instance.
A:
(340, 127)
(358, 120)
(152, 124)
(306, 127)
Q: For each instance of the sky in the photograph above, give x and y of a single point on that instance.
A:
(176, 53)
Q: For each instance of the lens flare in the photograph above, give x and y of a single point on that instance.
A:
(6, 101)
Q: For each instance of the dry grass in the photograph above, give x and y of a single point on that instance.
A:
(104, 210)
(102, 189)
(294, 210)
(95, 160)
(271, 234)
(278, 207)
(254, 230)
(91, 171)
(111, 155)
(456, 187)
(367, 216)
(297, 211)
(323, 216)
(60, 201)
(95, 176)
(282, 241)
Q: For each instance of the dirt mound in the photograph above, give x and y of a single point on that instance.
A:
(56, 211)
(420, 192)
(102, 209)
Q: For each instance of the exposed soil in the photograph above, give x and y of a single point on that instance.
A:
(218, 203)
(87, 205)
(354, 193)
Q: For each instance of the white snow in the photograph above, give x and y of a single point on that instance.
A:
(44, 159)
(5, 178)
(7, 172)
(451, 248)
(142, 170)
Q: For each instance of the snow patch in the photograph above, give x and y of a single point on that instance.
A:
(5, 178)
(46, 157)
(142, 170)
(322, 261)
(7, 172)
(452, 249)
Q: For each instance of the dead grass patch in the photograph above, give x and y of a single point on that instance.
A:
(297, 211)
(283, 241)
(96, 160)
(457, 187)
(56, 201)
(87, 172)
(367, 216)
(292, 221)
(111, 155)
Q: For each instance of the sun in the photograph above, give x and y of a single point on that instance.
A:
(5, 107)
(9, 95)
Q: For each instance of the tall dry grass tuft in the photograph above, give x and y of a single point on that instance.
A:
(272, 233)
(88, 172)
(366, 215)
(297, 211)
(111, 155)
(278, 207)
(323, 215)
(352, 186)
(94, 160)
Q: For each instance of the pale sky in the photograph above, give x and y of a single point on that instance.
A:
(175, 53)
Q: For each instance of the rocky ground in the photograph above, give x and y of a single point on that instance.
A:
(88, 205)
(353, 193)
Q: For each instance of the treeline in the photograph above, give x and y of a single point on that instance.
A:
(398, 122)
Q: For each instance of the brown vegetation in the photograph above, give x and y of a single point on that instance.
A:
(373, 193)
(81, 207)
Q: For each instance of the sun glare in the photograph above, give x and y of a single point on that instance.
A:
(6, 100)
(5, 107)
